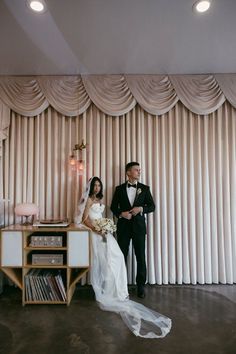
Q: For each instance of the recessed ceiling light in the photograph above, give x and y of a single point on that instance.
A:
(202, 5)
(36, 5)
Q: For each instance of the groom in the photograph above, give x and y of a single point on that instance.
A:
(129, 204)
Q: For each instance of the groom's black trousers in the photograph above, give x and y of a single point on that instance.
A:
(124, 235)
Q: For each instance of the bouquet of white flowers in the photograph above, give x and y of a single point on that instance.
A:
(104, 226)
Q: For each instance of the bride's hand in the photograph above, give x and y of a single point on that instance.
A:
(103, 235)
(98, 232)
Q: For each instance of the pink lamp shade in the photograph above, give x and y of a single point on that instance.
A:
(26, 209)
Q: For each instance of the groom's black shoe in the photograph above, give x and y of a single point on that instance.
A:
(141, 291)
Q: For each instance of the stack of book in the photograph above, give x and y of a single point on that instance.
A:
(44, 285)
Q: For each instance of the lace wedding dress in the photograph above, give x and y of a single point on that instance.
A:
(109, 281)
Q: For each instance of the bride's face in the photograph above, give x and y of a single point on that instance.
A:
(97, 187)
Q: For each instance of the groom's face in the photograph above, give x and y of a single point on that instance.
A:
(134, 173)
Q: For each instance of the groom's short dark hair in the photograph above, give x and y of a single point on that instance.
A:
(130, 164)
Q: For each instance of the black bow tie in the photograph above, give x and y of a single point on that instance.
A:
(132, 185)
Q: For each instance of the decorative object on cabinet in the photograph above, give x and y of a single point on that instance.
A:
(60, 224)
(26, 210)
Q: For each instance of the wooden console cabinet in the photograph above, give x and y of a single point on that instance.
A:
(16, 259)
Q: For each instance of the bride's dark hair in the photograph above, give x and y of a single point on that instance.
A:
(100, 194)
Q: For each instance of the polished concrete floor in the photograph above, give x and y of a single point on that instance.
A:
(204, 322)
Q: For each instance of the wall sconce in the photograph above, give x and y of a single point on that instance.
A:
(26, 210)
(76, 159)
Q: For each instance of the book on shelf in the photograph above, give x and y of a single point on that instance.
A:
(60, 285)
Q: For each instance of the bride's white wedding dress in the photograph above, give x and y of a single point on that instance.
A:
(109, 281)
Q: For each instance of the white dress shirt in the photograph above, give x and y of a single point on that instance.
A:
(131, 192)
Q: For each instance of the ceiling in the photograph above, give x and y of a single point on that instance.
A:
(117, 36)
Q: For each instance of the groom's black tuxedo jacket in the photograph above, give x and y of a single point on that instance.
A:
(120, 203)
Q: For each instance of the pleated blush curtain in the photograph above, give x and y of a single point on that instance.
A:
(188, 159)
(115, 94)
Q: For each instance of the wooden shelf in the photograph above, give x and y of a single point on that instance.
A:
(17, 251)
(31, 228)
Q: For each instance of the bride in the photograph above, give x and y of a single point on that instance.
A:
(108, 271)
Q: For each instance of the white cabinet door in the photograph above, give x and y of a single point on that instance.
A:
(78, 248)
(11, 249)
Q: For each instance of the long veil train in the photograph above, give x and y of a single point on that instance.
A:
(142, 321)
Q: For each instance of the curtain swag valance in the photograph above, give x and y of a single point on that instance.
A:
(114, 95)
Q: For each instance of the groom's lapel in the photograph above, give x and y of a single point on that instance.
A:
(137, 194)
(126, 195)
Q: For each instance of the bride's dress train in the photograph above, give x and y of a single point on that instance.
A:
(109, 281)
